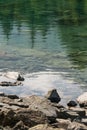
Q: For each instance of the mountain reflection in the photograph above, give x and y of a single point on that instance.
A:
(70, 16)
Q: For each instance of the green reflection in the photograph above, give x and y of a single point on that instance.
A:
(70, 16)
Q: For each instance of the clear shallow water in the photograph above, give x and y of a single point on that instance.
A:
(45, 36)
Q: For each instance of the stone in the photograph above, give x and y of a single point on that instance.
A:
(79, 111)
(9, 118)
(12, 96)
(20, 78)
(84, 121)
(67, 114)
(76, 126)
(71, 104)
(62, 123)
(82, 100)
(2, 94)
(41, 104)
(53, 96)
(30, 117)
(44, 127)
(20, 126)
(6, 84)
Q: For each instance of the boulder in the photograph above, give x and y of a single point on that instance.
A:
(82, 100)
(41, 104)
(53, 96)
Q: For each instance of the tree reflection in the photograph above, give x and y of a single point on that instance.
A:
(41, 15)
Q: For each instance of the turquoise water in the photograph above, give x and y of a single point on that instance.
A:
(45, 36)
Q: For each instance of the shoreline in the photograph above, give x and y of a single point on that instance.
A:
(39, 113)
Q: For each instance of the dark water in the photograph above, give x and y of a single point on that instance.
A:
(41, 36)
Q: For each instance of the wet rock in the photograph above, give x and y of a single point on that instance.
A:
(71, 104)
(82, 100)
(53, 96)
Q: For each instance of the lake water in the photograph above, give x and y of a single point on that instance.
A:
(46, 40)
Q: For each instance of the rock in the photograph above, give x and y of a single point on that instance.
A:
(62, 123)
(71, 104)
(20, 78)
(67, 114)
(2, 94)
(41, 104)
(82, 100)
(20, 126)
(53, 96)
(44, 127)
(11, 96)
(76, 126)
(5, 83)
(84, 121)
(30, 117)
(81, 112)
(9, 118)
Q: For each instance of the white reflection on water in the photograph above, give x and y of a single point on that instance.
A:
(39, 83)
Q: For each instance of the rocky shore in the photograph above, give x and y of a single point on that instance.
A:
(40, 113)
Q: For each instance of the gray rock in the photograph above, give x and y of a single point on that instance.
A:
(53, 96)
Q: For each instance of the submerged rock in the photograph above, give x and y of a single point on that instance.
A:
(53, 96)
(6, 84)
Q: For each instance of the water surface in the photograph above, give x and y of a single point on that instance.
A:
(42, 37)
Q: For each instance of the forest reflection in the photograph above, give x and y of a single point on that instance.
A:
(70, 16)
